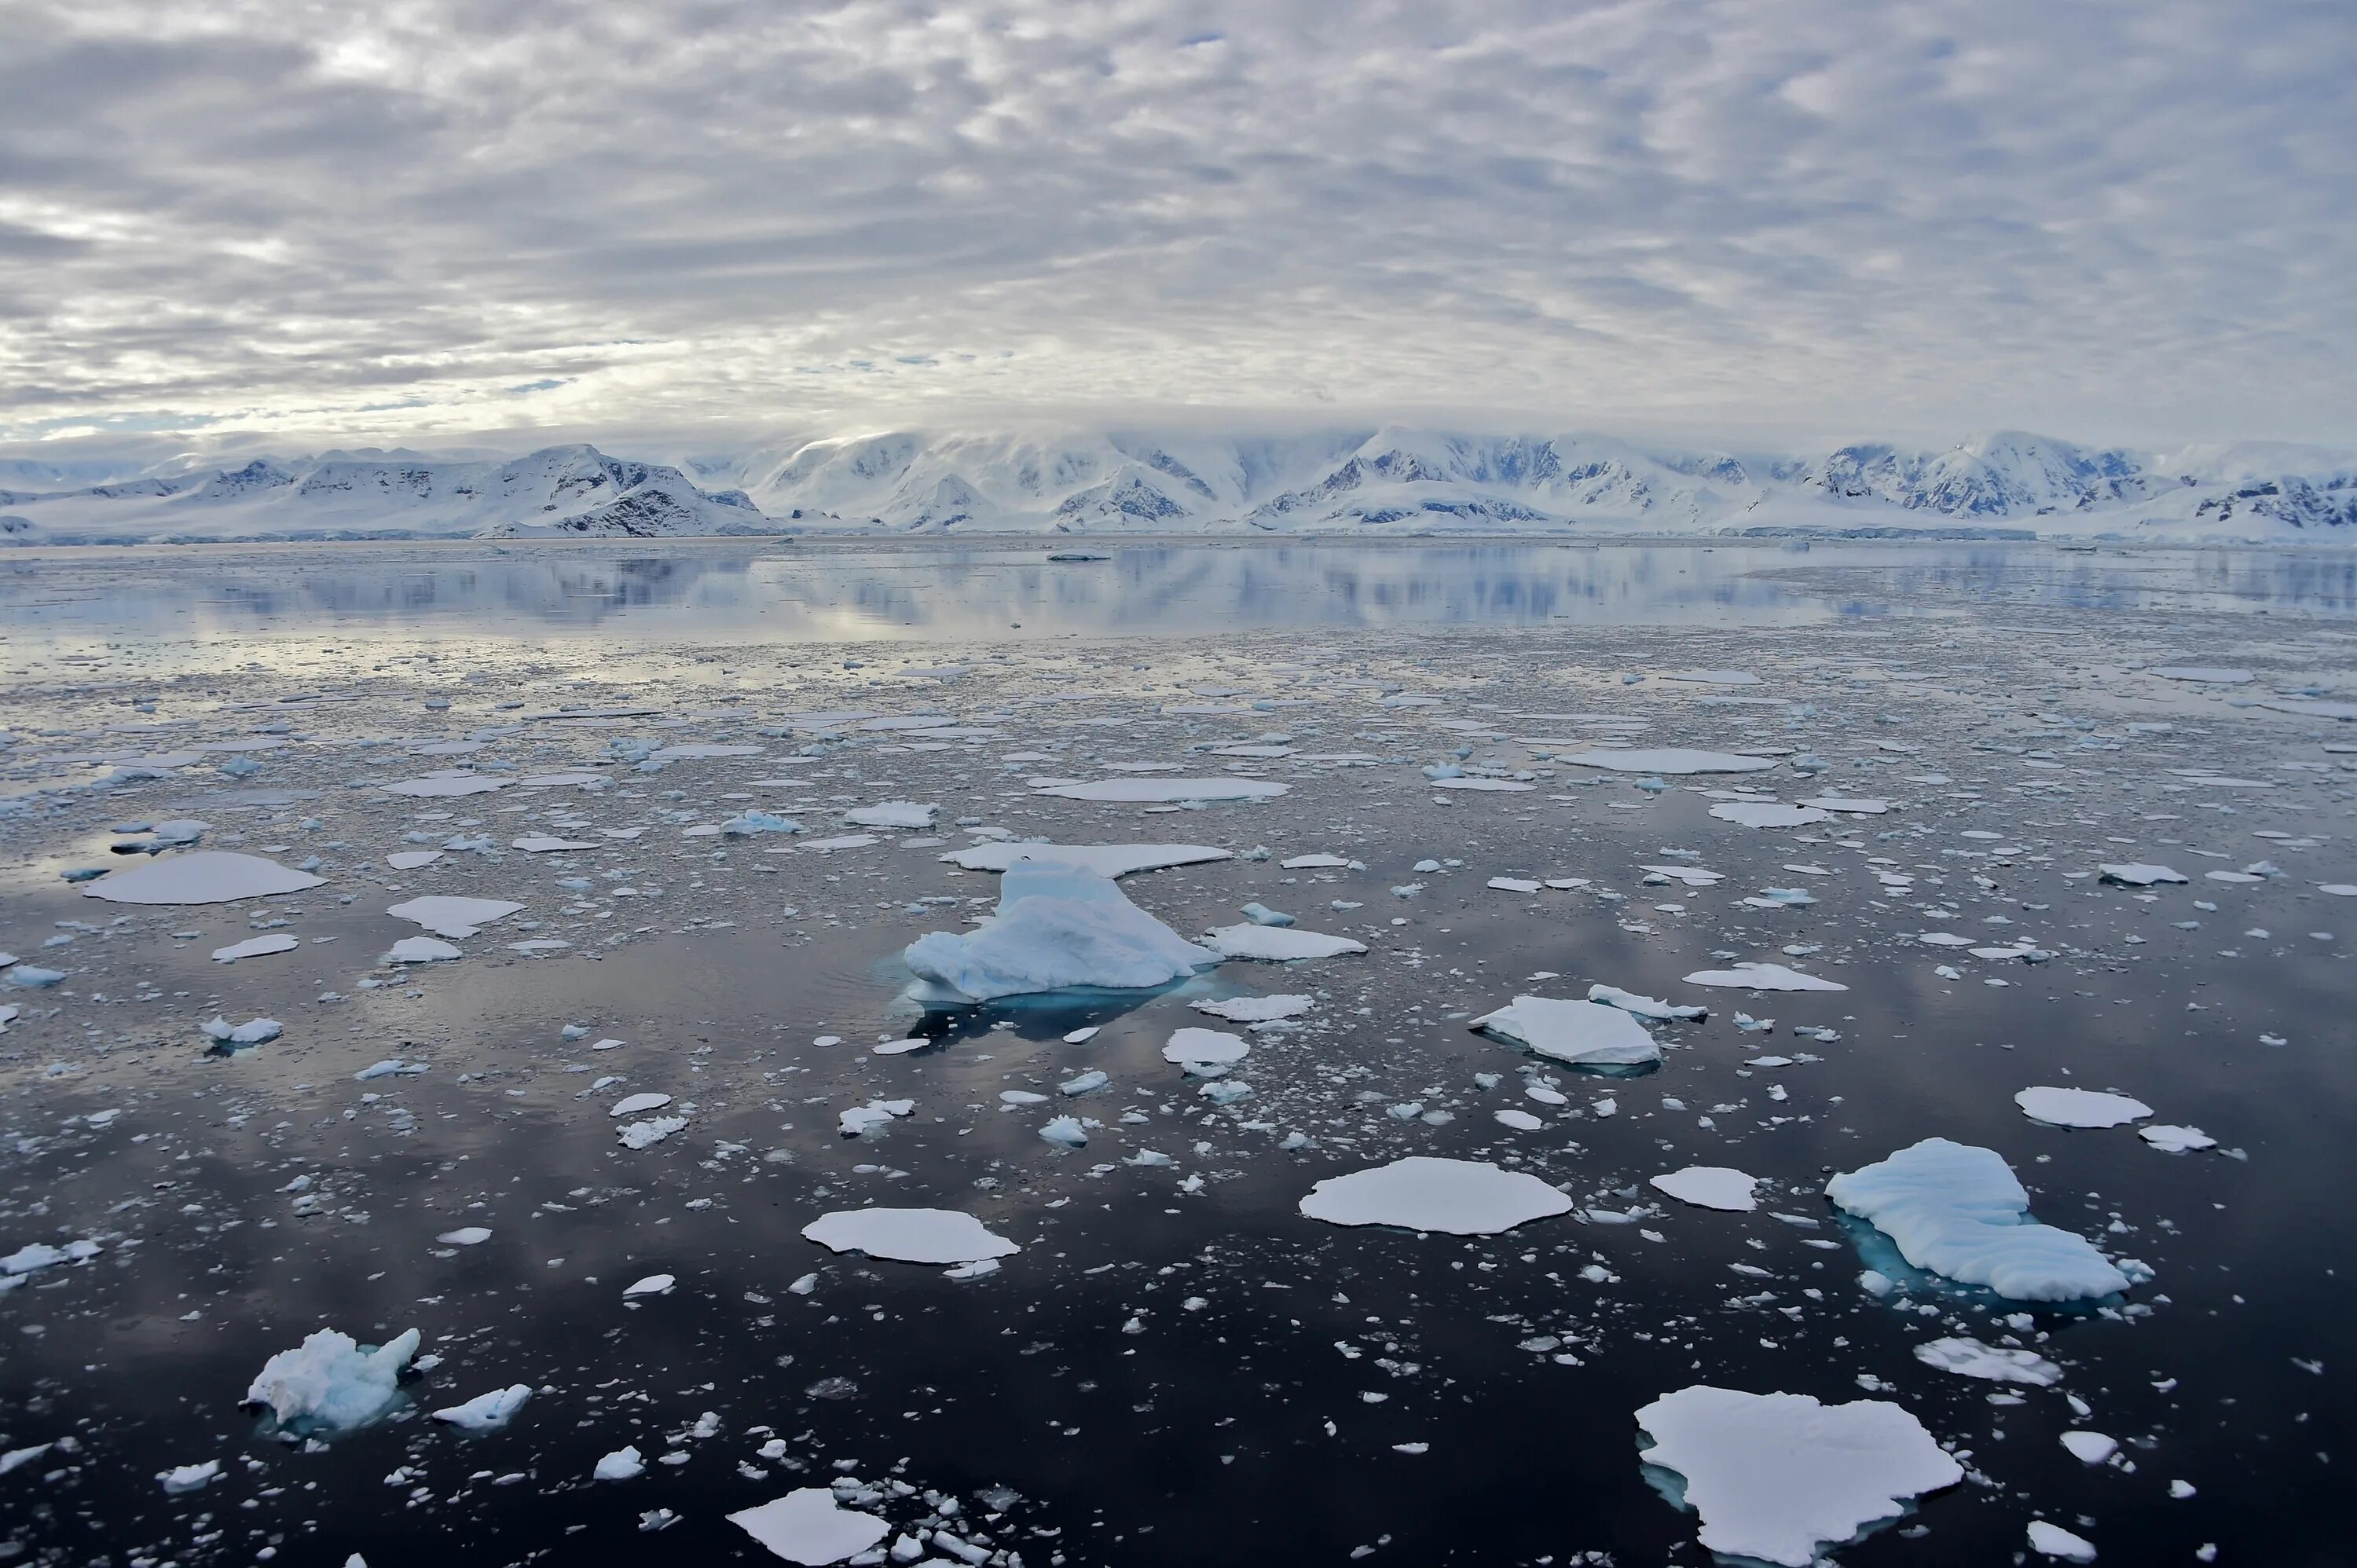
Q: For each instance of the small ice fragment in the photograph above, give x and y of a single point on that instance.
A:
(646, 1135)
(420, 950)
(1997, 1364)
(2090, 1448)
(2139, 874)
(254, 946)
(2171, 1140)
(1710, 1187)
(486, 1412)
(189, 1478)
(1275, 944)
(2053, 1541)
(654, 1285)
(1066, 1131)
(1086, 1081)
(622, 1465)
(465, 1236)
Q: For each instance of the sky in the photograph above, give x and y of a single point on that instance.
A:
(422, 220)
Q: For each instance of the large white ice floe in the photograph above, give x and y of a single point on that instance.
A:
(1958, 1211)
(1193, 1047)
(207, 876)
(891, 814)
(1767, 814)
(1711, 1186)
(1144, 791)
(1990, 1363)
(909, 1235)
(809, 1527)
(453, 917)
(1458, 1198)
(2139, 874)
(1762, 977)
(1778, 1477)
(1669, 759)
(486, 1412)
(1585, 1033)
(1255, 1009)
(1278, 944)
(330, 1383)
(1056, 927)
(1105, 859)
(2080, 1107)
(420, 949)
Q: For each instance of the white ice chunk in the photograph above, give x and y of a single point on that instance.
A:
(1711, 1186)
(2080, 1107)
(456, 918)
(410, 859)
(487, 1412)
(1153, 789)
(808, 1526)
(2176, 1140)
(1957, 1210)
(255, 947)
(1777, 1477)
(1315, 863)
(1193, 1047)
(891, 814)
(1855, 806)
(1669, 759)
(1278, 944)
(209, 876)
(1105, 859)
(2053, 1541)
(1991, 1363)
(2139, 874)
(1585, 1034)
(646, 1135)
(654, 1285)
(1458, 1198)
(420, 950)
(909, 1235)
(465, 1236)
(1255, 1009)
(1645, 1006)
(1762, 977)
(2090, 1448)
(252, 1032)
(189, 1478)
(1767, 814)
(623, 1464)
(632, 1105)
(1057, 926)
(330, 1383)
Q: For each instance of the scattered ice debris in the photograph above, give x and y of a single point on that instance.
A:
(2176, 1140)
(1192, 1048)
(2090, 1448)
(864, 1119)
(1672, 759)
(622, 1465)
(636, 1104)
(809, 1527)
(1762, 977)
(254, 946)
(1991, 1363)
(1711, 1186)
(1645, 1006)
(1777, 1477)
(209, 876)
(1585, 1033)
(189, 1478)
(330, 1383)
(1112, 860)
(1145, 790)
(648, 1134)
(2137, 875)
(2080, 1107)
(654, 1285)
(486, 1412)
(1278, 944)
(906, 814)
(252, 1032)
(1255, 1009)
(1457, 1197)
(420, 950)
(1057, 926)
(909, 1235)
(465, 1236)
(1957, 1210)
(457, 919)
(2053, 1541)
(1065, 1131)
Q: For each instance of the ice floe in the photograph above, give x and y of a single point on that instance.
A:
(1105, 859)
(1458, 1198)
(420, 949)
(255, 947)
(252, 1032)
(2137, 875)
(1958, 1211)
(1711, 1186)
(1056, 927)
(910, 1235)
(654, 1285)
(1669, 759)
(646, 1135)
(1762, 977)
(2080, 1107)
(1278, 944)
(2171, 1140)
(455, 917)
(2053, 1541)
(1149, 791)
(1776, 1477)
(1192, 1048)
(809, 1527)
(207, 876)
(486, 1412)
(440, 785)
(330, 1383)
(1767, 814)
(1255, 1009)
(1585, 1033)
(892, 814)
(1645, 1006)
(1992, 1363)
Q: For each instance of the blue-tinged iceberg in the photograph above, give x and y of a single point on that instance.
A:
(1958, 1211)
(1057, 926)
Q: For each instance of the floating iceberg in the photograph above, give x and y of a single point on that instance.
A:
(1585, 1033)
(1777, 1477)
(909, 1235)
(808, 1526)
(485, 1413)
(329, 1383)
(210, 876)
(1957, 1210)
(1057, 926)
(1762, 977)
(1991, 1363)
(1278, 944)
(1458, 1198)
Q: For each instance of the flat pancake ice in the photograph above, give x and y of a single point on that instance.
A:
(1669, 759)
(1255, 1009)
(254, 946)
(2080, 1108)
(2139, 874)
(1645, 1006)
(1767, 814)
(1278, 944)
(909, 1235)
(455, 917)
(807, 1526)
(1057, 926)
(891, 814)
(1193, 1047)
(1990, 1363)
(330, 1383)
(1585, 1033)
(1457, 1197)
(1147, 790)
(1958, 1211)
(209, 876)
(1105, 859)
(1762, 977)
(1777, 1477)
(1711, 1186)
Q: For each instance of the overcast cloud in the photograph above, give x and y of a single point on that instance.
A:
(2130, 219)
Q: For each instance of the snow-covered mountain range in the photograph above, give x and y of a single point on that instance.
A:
(1069, 481)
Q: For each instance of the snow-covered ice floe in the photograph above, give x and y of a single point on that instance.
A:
(207, 876)
(1457, 1197)
(2139, 874)
(2080, 1107)
(329, 1383)
(1776, 1477)
(1193, 1047)
(910, 1235)
(1669, 759)
(455, 917)
(1278, 944)
(1762, 977)
(908, 814)
(1991, 1363)
(809, 1527)
(1105, 859)
(1585, 1033)
(1958, 1211)
(1057, 926)
(1150, 790)
(1255, 1009)
(1767, 814)
(1711, 1186)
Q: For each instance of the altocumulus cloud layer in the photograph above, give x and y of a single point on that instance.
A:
(2125, 218)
